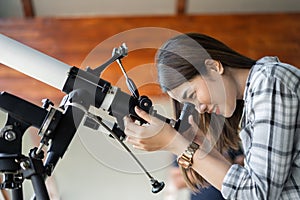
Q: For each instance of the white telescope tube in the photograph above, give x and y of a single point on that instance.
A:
(33, 63)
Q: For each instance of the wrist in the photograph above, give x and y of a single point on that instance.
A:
(178, 144)
(185, 160)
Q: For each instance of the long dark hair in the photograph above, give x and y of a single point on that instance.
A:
(182, 58)
(185, 54)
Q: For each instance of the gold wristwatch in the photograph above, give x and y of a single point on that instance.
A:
(186, 159)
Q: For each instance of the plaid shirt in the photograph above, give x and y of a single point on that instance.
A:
(270, 135)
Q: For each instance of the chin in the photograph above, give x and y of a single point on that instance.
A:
(229, 109)
(228, 113)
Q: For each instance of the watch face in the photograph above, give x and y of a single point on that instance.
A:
(194, 146)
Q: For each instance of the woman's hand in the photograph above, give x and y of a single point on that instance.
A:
(205, 142)
(156, 135)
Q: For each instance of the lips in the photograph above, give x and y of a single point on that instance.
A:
(211, 110)
(214, 109)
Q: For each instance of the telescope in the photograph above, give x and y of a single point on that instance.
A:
(89, 100)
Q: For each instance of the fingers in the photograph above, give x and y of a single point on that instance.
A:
(127, 120)
(135, 144)
(142, 114)
(140, 144)
(146, 137)
(134, 130)
(131, 129)
(193, 123)
(199, 135)
(191, 120)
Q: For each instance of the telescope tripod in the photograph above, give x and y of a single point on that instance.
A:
(16, 167)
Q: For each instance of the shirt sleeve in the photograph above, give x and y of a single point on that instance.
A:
(270, 126)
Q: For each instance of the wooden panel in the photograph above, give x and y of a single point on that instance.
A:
(72, 41)
(28, 8)
(181, 7)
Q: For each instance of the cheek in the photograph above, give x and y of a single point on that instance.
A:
(211, 92)
(203, 98)
(204, 95)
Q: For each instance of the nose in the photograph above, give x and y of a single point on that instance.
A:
(202, 108)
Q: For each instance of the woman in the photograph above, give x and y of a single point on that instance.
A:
(3, 193)
(227, 143)
(214, 77)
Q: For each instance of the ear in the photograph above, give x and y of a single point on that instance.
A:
(214, 65)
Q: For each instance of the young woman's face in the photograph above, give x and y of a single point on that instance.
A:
(214, 94)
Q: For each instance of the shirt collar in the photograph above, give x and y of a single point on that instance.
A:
(257, 67)
(267, 59)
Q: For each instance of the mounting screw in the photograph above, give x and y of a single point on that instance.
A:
(10, 135)
(25, 164)
(7, 133)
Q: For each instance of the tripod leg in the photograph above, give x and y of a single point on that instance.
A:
(39, 187)
(17, 194)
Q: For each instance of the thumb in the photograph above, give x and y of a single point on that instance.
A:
(192, 122)
(142, 114)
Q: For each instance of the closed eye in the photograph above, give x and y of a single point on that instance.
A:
(192, 95)
(189, 96)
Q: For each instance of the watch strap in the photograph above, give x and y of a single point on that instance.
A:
(186, 158)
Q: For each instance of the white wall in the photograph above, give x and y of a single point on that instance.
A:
(104, 7)
(10, 8)
(242, 6)
(144, 7)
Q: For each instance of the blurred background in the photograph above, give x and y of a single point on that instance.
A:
(83, 33)
(71, 8)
